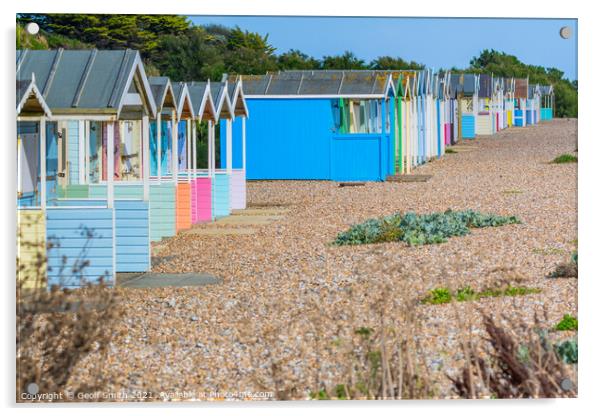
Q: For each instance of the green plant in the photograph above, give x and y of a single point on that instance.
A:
(450, 151)
(439, 296)
(319, 395)
(415, 229)
(567, 351)
(444, 295)
(565, 158)
(567, 323)
(465, 294)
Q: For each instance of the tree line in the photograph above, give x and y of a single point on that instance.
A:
(173, 46)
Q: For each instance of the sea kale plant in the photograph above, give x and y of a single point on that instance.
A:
(415, 229)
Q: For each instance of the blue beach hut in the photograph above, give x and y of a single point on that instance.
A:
(320, 125)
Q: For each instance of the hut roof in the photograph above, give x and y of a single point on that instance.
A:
(87, 81)
(485, 86)
(185, 109)
(219, 94)
(547, 90)
(323, 83)
(202, 102)
(29, 98)
(237, 96)
(162, 91)
(521, 88)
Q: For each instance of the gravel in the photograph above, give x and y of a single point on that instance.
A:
(289, 298)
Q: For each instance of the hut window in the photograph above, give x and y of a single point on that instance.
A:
(28, 158)
(131, 150)
(95, 153)
(351, 116)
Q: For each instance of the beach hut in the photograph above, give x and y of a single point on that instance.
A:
(509, 101)
(32, 113)
(547, 104)
(497, 99)
(204, 112)
(182, 156)
(235, 155)
(220, 191)
(100, 100)
(456, 94)
(163, 186)
(521, 93)
(533, 104)
(329, 125)
(485, 119)
(467, 104)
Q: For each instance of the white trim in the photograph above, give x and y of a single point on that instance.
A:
(185, 96)
(110, 163)
(244, 144)
(174, 147)
(188, 148)
(81, 130)
(207, 100)
(149, 94)
(145, 158)
(229, 146)
(239, 90)
(33, 88)
(43, 173)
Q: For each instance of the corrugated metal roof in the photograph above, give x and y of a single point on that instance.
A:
(485, 86)
(83, 79)
(469, 84)
(330, 83)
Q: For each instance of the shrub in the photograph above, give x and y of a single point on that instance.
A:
(444, 295)
(567, 323)
(567, 351)
(516, 366)
(568, 269)
(415, 229)
(565, 158)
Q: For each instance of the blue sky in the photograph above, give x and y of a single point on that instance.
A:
(438, 43)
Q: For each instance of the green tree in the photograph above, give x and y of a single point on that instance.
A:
(295, 59)
(111, 31)
(191, 55)
(388, 62)
(347, 60)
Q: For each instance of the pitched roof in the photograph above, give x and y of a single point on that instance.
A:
(219, 94)
(237, 97)
(162, 92)
(29, 98)
(202, 102)
(185, 109)
(86, 81)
